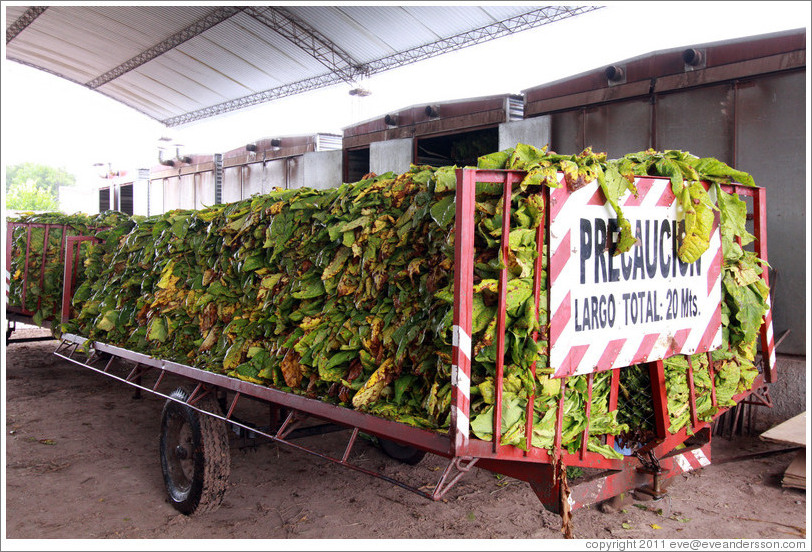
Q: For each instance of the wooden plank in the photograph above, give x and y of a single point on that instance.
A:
(792, 431)
(795, 476)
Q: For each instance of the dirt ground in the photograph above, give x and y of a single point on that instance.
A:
(82, 462)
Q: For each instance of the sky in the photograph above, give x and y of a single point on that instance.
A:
(52, 121)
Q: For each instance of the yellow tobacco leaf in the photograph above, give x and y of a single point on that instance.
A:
(210, 340)
(309, 323)
(233, 356)
(374, 385)
(167, 279)
(291, 369)
(276, 208)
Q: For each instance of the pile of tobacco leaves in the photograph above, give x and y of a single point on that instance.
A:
(346, 294)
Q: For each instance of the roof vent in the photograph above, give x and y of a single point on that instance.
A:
(615, 74)
(694, 59)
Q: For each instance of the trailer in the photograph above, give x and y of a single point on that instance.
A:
(196, 418)
(33, 271)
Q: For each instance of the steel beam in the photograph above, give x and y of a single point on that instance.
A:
(516, 24)
(523, 22)
(279, 92)
(23, 21)
(281, 21)
(200, 26)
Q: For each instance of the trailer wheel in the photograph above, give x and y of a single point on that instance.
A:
(195, 456)
(401, 453)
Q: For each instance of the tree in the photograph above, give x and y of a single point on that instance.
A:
(44, 177)
(27, 196)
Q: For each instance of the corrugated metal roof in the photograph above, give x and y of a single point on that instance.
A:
(179, 64)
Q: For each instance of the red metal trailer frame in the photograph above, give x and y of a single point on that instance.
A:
(23, 309)
(543, 469)
(66, 256)
(24, 312)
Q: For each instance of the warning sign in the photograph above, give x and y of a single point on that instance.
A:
(610, 310)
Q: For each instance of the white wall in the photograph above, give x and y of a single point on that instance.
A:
(79, 199)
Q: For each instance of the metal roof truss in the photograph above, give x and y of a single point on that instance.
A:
(306, 29)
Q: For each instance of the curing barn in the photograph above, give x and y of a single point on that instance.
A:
(737, 101)
(194, 181)
(444, 133)
(568, 287)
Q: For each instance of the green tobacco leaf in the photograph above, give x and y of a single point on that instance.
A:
(157, 330)
(626, 239)
(744, 274)
(482, 314)
(733, 216)
(614, 185)
(107, 322)
(713, 169)
(357, 223)
(750, 307)
(334, 369)
(402, 384)
(497, 160)
(445, 180)
(253, 262)
(444, 211)
(667, 167)
(337, 264)
(526, 157)
(698, 222)
(521, 237)
(309, 289)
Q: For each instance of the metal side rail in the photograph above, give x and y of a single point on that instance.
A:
(301, 408)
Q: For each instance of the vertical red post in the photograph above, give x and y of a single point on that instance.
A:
(613, 393)
(463, 310)
(559, 420)
(67, 280)
(76, 261)
(501, 312)
(69, 271)
(659, 396)
(712, 379)
(537, 270)
(42, 267)
(9, 246)
(760, 243)
(62, 245)
(25, 275)
(590, 378)
(691, 392)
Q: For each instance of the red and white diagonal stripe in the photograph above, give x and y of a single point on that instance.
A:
(692, 460)
(461, 381)
(768, 339)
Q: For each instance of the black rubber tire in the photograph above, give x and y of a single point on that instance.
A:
(195, 456)
(401, 453)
